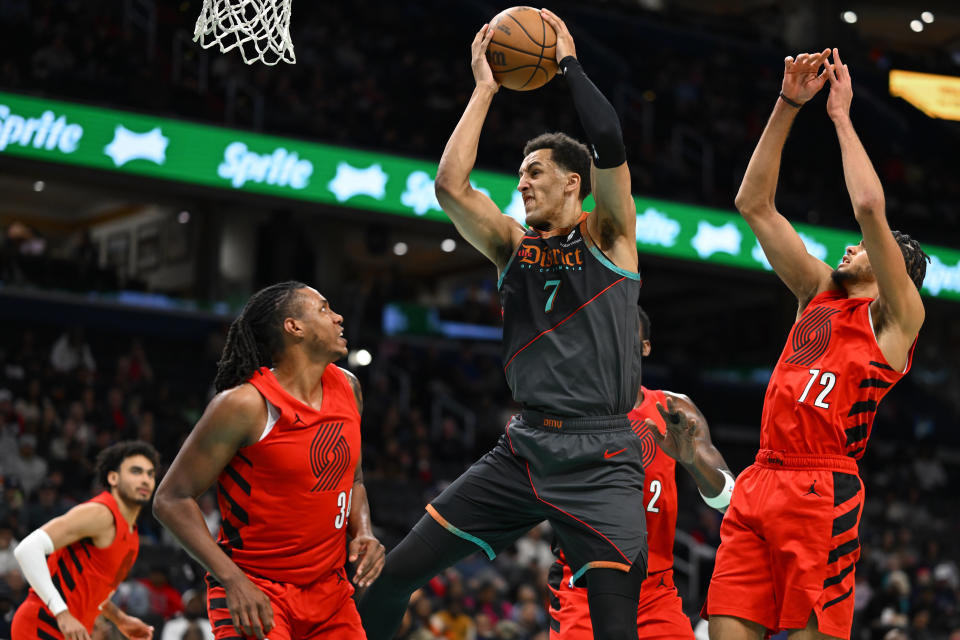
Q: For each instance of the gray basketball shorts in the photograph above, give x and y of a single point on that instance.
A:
(583, 475)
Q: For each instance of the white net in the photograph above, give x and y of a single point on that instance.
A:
(259, 28)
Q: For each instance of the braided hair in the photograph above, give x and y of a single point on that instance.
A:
(256, 336)
(914, 257)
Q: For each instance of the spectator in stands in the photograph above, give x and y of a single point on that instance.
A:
(194, 615)
(28, 467)
(165, 601)
(133, 368)
(452, 621)
(71, 352)
(46, 505)
(7, 544)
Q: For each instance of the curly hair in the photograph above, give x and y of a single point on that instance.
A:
(256, 336)
(913, 256)
(569, 153)
(113, 456)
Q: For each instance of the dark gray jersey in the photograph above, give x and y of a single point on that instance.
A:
(571, 344)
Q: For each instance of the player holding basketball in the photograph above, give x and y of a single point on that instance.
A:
(283, 446)
(674, 422)
(790, 538)
(91, 549)
(571, 355)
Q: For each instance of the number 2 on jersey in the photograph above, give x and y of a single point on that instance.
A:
(553, 294)
(827, 380)
(655, 488)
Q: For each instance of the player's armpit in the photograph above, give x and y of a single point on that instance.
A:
(479, 221)
(615, 215)
(899, 307)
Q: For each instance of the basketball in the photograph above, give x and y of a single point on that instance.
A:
(523, 52)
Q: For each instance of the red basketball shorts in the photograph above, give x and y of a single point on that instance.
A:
(323, 609)
(789, 543)
(33, 621)
(659, 616)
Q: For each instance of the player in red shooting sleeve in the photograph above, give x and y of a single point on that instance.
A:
(790, 540)
(673, 422)
(282, 445)
(91, 549)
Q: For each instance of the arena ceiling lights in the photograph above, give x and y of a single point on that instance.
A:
(155, 147)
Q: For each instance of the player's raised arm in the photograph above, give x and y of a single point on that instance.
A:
(233, 419)
(802, 273)
(613, 224)
(899, 300)
(475, 215)
(687, 440)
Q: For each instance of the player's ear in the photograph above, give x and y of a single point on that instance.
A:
(572, 185)
(645, 348)
(113, 479)
(292, 326)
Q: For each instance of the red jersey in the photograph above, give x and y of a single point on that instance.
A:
(85, 575)
(824, 391)
(284, 500)
(660, 486)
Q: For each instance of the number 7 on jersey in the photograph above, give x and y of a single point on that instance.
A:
(553, 294)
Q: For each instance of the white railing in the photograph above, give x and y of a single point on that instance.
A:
(688, 564)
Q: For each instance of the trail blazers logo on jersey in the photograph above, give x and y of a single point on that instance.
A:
(811, 336)
(648, 446)
(329, 456)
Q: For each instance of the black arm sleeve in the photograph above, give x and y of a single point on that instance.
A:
(597, 115)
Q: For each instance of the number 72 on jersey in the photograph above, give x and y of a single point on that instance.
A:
(827, 380)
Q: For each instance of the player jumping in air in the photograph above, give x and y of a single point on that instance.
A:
(789, 541)
(283, 446)
(571, 355)
(91, 549)
(674, 422)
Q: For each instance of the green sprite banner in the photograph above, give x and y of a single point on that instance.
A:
(240, 160)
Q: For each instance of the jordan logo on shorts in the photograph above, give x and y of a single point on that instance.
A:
(813, 490)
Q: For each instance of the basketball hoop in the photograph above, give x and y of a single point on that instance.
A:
(260, 28)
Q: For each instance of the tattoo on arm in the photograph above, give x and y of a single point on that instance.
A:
(357, 392)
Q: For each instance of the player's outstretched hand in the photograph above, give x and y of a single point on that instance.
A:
(841, 87)
(70, 627)
(679, 441)
(249, 607)
(135, 629)
(565, 45)
(368, 551)
(482, 73)
(800, 79)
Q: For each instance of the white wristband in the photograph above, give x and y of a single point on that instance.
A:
(722, 500)
(31, 555)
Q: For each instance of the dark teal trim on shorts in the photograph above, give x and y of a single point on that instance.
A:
(487, 549)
